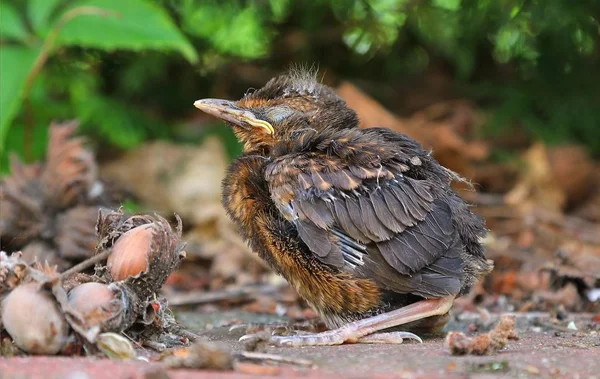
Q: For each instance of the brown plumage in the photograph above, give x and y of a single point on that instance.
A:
(362, 222)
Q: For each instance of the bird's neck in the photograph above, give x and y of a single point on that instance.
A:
(312, 139)
(254, 143)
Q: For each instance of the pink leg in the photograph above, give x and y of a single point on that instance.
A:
(354, 331)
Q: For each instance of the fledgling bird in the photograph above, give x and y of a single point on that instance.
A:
(362, 223)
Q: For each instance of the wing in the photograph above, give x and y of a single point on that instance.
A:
(373, 220)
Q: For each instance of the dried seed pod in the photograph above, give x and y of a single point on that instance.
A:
(70, 171)
(130, 253)
(100, 305)
(33, 319)
(35, 199)
(75, 235)
(113, 224)
(13, 271)
(21, 196)
(41, 251)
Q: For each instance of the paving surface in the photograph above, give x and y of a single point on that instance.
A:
(538, 353)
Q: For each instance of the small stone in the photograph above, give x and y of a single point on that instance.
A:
(572, 326)
(532, 370)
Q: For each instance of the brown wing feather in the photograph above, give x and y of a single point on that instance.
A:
(374, 221)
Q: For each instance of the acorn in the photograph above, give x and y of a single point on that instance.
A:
(103, 305)
(34, 320)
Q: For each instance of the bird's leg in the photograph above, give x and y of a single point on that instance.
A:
(354, 331)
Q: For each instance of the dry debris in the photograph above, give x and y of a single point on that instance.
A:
(200, 355)
(544, 257)
(66, 310)
(49, 209)
(215, 356)
(484, 344)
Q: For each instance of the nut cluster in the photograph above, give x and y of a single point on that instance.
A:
(141, 251)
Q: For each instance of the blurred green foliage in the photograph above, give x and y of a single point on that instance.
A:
(130, 69)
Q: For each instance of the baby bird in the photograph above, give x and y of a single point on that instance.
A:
(362, 223)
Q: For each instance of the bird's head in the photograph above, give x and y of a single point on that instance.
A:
(281, 109)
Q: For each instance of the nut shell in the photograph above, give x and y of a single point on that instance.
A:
(98, 304)
(33, 319)
(130, 253)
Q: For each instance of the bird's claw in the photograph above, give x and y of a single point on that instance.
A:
(411, 336)
(389, 338)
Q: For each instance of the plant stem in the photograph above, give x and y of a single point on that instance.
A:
(42, 58)
(50, 40)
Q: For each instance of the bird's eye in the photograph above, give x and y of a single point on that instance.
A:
(279, 113)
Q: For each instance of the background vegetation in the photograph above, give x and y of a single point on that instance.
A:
(130, 69)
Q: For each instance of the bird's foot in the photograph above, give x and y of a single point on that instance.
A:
(333, 337)
(367, 329)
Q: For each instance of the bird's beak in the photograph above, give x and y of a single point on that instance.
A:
(229, 111)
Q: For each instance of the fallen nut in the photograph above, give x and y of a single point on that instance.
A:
(33, 319)
(129, 256)
(99, 304)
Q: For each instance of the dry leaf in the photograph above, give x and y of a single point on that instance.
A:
(537, 184)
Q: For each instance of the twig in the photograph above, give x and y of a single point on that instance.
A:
(252, 355)
(186, 333)
(155, 345)
(85, 264)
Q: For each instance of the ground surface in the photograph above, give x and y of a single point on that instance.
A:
(540, 352)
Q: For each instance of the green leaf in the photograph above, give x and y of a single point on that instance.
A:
(117, 123)
(279, 9)
(246, 37)
(15, 65)
(450, 5)
(39, 12)
(136, 25)
(11, 25)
